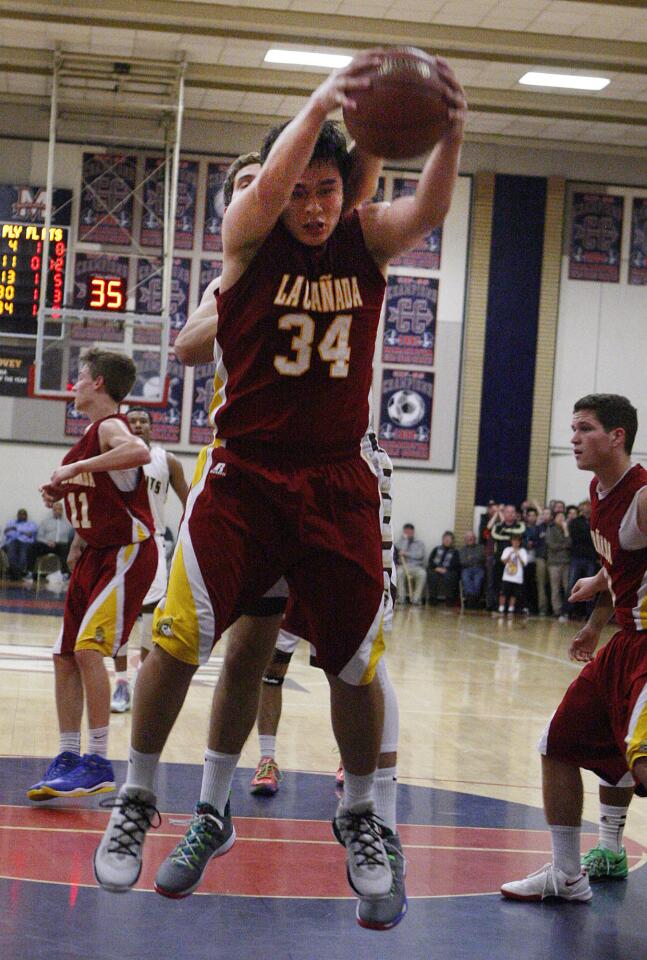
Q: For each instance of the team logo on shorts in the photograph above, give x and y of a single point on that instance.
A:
(165, 627)
(100, 634)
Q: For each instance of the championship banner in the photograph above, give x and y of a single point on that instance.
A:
(24, 204)
(427, 255)
(411, 307)
(106, 206)
(149, 296)
(14, 370)
(596, 233)
(167, 421)
(151, 234)
(406, 399)
(213, 206)
(105, 265)
(201, 431)
(638, 255)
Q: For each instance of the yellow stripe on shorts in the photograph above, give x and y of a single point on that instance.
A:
(175, 625)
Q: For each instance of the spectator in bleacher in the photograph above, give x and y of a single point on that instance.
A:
(472, 560)
(507, 523)
(443, 570)
(19, 543)
(530, 542)
(571, 512)
(411, 573)
(55, 536)
(487, 521)
(514, 559)
(584, 559)
(541, 569)
(558, 561)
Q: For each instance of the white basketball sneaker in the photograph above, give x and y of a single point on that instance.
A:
(549, 882)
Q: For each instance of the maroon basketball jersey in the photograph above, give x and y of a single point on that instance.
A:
(626, 569)
(295, 342)
(101, 513)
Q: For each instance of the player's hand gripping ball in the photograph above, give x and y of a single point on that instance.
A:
(405, 111)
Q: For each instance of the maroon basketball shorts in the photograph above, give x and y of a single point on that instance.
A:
(105, 596)
(601, 724)
(246, 525)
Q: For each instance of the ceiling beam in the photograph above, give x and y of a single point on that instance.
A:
(336, 30)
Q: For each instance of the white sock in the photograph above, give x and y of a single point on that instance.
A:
(612, 825)
(267, 744)
(566, 849)
(358, 791)
(384, 793)
(98, 741)
(217, 778)
(121, 676)
(141, 769)
(70, 742)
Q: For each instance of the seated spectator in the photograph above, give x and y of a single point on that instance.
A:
(584, 558)
(55, 536)
(443, 570)
(514, 559)
(19, 543)
(472, 558)
(411, 572)
(558, 561)
(571, 512)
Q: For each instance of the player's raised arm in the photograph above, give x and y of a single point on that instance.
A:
(121, 450)
(253, 214)
(392, 229)
(195, 340)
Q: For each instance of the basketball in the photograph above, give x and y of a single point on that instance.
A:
(403, 113)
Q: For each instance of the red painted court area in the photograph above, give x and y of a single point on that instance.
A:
(279, 858)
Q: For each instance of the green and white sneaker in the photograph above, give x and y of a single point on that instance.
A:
(603, 864)
(385, 913)
(210, 834)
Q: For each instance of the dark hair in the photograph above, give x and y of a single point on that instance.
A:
(117, 369)
(141, 410)
(613, 411)
(330, 146)
(245, 160)
(405, 525)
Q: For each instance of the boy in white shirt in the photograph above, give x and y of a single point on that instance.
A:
(514, 559)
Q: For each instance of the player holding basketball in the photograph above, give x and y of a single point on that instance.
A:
(260, 623)
(163, 470)
(300, 298)
(601, 723)
(113, 557)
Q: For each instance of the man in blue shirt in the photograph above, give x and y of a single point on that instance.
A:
(19, 544)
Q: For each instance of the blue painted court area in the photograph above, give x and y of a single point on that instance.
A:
(25, 598)
(54, 919)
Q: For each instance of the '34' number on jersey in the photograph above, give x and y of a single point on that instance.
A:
(333, 349)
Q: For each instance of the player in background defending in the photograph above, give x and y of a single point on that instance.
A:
(299, 305)
(601, 723)
(164, 470)
(113, 557)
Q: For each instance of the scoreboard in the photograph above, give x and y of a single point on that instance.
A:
(22, 246)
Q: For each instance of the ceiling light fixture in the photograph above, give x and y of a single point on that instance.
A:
(306, 58)
(566, 80)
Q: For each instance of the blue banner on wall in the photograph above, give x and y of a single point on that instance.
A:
(411, 306)
(151, 234)
(638, 255)
(213, 208)
(149, 295)
(427, 254)
(406, 402)
(106, 206)
(596, 233)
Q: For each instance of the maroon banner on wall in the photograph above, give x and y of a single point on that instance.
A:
(596, 234)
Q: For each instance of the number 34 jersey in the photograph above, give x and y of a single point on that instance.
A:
(109, 508)
(295, 342)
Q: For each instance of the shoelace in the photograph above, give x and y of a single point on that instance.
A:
(365, 839)
(187, 852)
(596, 859)
(57, 767)
(138, 816)
(266, 770)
